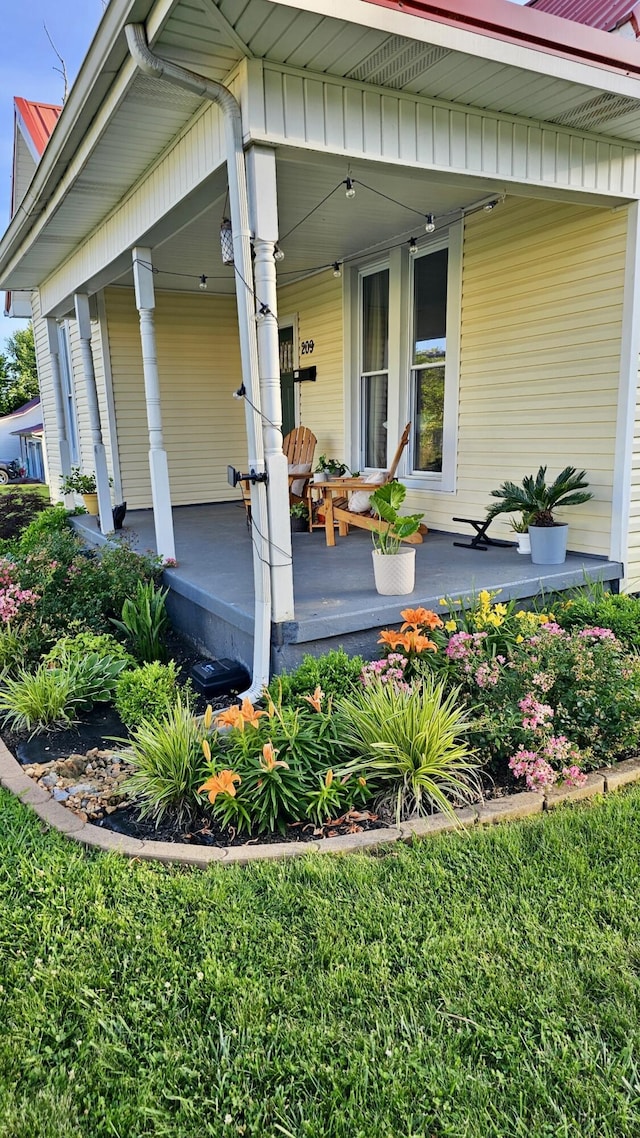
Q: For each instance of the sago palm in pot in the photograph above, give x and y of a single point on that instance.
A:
(538, 499)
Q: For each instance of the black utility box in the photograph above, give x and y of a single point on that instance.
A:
(217, 677)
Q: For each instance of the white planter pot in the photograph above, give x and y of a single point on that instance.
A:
(319, 477)
(395, 573)
(548, 544)
(524, 543)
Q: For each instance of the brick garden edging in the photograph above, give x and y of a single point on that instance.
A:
(521, 805)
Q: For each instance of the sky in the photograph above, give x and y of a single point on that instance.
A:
(27, 68)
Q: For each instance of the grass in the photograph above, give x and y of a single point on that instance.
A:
(482, 985)
(33, 488)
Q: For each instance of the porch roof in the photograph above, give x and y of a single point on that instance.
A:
(112, 110)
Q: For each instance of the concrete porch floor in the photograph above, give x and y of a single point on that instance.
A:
(211, 597)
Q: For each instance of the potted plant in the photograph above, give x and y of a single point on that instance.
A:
(84, 484)
(329, 468)
(520, 526)
(537, 500)
(394, 566)
(299, 514)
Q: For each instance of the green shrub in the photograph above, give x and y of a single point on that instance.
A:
(168, 763)
(597, 609)
(86, 643)
(53, 519)
(33, 701)
(149, 692)
(145, 621)
(120, 572)
(94, 678)
(409, 744)
(335, 673)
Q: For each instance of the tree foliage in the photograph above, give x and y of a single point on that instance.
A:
(18, 373)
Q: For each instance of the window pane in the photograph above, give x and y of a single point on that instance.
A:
(430, 307)
(374, 399)
(375, 321)
(428, 420)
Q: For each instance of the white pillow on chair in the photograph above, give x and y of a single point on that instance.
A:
(297, 487)
(359, 500)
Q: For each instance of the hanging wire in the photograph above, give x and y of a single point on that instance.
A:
(311, 212)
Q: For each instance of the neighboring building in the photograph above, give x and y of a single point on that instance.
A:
(482, 282)
(619, 16)
(23, 421)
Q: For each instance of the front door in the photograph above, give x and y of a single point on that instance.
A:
(287, 389)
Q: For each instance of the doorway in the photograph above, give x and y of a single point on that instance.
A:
(288, 362)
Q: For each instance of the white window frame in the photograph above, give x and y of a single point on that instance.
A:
(68, 392)
(444, 480)
(370, 270)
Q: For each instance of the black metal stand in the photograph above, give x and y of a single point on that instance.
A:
(480, 541)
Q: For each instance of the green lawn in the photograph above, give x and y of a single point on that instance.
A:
(481, 985)
(32, 487)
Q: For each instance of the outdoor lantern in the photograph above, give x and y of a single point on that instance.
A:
(226, 242)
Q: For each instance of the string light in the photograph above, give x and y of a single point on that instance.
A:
(278, 254)
(203, 283)
(430, 223)
(350, 191)
(337, 271)
(489, 206)
(413, 248)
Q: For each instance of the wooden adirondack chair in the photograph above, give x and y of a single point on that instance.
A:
(336, 502)
(298, 446)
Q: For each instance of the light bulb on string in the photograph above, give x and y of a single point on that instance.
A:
(350, 191)
(430, 223)
(489, 206)
(278, 255)
(203, 283)
(413, 248)
(337, 271)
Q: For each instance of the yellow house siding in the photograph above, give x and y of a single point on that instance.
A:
(542, 288)
(632, 575)
(47, 399)
(199, 367)
(318, 304)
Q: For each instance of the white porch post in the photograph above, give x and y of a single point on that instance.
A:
(627, 393)
(81, 304)
(64, 457)
(263, 210)
(158, 465)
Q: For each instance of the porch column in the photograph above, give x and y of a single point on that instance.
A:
(105, 512)
(263, 210)
(158, 465)
(64, 457)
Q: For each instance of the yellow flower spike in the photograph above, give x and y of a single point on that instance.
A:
(450, 626)
(208, 717)
(519, 639)
(206, 749)
(362, 781)
(328, 778)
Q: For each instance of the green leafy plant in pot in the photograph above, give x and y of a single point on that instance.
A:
(299, 514)
(537, 499)
(394, 566)
(84, 484)
(329, 468)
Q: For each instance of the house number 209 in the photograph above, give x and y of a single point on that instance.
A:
(306, 347)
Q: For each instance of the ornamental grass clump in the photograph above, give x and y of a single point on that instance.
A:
(168, 765)
(410, 746)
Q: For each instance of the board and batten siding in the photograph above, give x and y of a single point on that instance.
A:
(317, 301)
(199, 368)
(542, 296)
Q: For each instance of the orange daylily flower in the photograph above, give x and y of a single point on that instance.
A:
(249, 713)
(416, 642)
(316, 699)
(269, 762)
(222, 783)
(392, 638)
(420, 618)
(232, 717)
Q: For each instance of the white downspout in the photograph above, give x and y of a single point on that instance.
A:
(157, 68)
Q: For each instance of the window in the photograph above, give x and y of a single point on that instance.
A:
(68, 398)
(428, 359)
(374, 368)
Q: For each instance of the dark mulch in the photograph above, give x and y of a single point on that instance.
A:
(98, 728)
(201, 830)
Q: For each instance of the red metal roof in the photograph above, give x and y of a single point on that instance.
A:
(604, 14)
(502, 20)
(37, 120)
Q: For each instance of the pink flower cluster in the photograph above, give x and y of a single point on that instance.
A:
(535, 769)
(543, 680)
(388, 671)
(12, 598)
(462, 644)
(534, 712)
(488, 674)
(597, 634)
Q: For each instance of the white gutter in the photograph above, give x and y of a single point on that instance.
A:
(157, 68)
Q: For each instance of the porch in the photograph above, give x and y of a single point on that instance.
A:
(211, 592)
